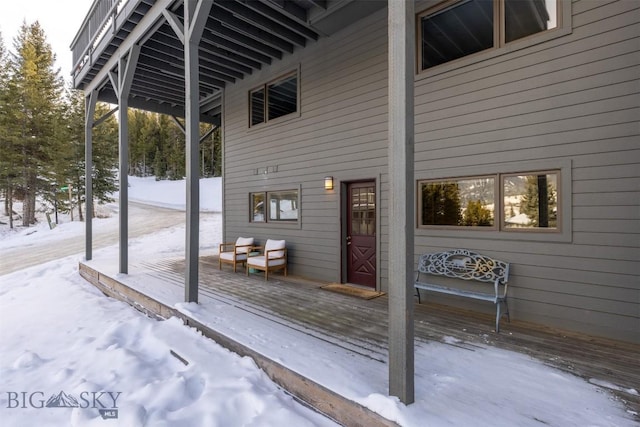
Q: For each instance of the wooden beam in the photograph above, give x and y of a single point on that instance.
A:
(90, 111)
(105, 117)
(196, 13)
(176, 25)
(121, 83)
(401, 205)
(139, 32)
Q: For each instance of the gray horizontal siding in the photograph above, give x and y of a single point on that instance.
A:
(341, 131)
(575, 98)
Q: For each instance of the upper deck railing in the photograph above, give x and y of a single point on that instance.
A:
(101, 14)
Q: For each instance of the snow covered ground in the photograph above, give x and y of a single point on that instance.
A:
(98, 362)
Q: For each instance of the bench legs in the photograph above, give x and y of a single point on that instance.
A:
(498, 309)
(498, 315)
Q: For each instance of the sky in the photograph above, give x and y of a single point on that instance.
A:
(60, 19)
(73, 344)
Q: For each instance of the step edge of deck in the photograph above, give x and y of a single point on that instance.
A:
(312, 394)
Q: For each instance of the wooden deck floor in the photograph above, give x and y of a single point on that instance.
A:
(361, 325)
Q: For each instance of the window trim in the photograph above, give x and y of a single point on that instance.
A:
(251, 207)
(264, 87)
(278, 220)
(285, 223)
(559, 203)
(563, 28)
(564, 232)
(496, 189)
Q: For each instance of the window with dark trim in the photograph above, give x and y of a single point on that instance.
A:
(274, 99)
(459, 202)
(458, 28)
(530, 201)
(523, 201)
(275, 206)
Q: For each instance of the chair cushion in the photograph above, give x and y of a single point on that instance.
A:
(228, 256)
(275, 244)
(244, 241)
(261, 261)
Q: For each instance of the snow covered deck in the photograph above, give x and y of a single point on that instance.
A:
(330, 350)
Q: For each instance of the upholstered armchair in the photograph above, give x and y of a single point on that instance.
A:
(235, 252)
(271, 257)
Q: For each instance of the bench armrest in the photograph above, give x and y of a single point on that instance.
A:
(497, 289)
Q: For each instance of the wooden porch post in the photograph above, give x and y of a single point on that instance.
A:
(89, 112)
(121, 83)
(196, 13)
(401, 205)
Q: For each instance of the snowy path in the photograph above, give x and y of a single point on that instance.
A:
(143, 219)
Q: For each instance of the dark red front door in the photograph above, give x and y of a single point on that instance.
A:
(361, 233)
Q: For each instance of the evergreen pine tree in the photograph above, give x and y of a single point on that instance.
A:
(531, 206)
(441, 204)
(477, 215)
(34, 93)
(8, 158)
(105, 156)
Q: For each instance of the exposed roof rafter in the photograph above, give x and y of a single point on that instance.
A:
(238, 37)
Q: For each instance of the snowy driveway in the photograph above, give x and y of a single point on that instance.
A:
(42, 245)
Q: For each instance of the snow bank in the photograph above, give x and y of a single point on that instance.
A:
(172, 194)
(64, 343)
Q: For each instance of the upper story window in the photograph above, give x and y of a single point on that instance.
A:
(458, 28)
(274, 99)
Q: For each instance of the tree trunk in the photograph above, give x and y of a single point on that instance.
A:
(26, 206)
(10, 198)
(29, 203)
(80, 207)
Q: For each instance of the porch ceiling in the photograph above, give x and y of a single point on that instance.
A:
(240, 37)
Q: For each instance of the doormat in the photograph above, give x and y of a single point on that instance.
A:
(352, 291)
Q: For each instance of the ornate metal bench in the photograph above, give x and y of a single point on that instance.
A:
(466, 265)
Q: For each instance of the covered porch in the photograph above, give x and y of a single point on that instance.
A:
(181, 57)
(293, 316)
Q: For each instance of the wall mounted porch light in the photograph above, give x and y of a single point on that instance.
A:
(328, 183)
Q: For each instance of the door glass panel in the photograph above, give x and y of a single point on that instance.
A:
(363, 211)
(355, 211)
